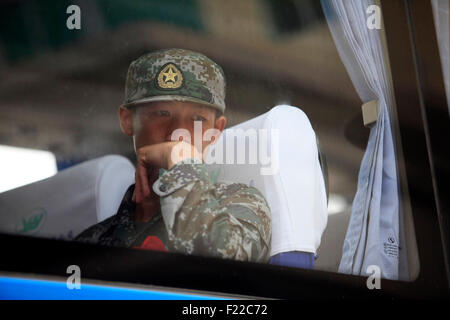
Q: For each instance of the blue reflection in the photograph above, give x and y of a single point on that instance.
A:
(30, 289)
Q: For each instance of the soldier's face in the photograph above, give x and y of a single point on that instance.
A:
(155, 122)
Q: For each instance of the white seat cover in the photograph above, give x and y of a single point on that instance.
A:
(295, 191)
(64, 205)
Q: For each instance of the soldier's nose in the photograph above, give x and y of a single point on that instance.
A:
(178, 130)
(171, 130)
(169, 138)
(175, 134)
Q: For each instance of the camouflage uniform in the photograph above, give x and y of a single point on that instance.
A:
(227, 220)
(197, 216)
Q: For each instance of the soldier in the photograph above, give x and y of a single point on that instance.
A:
(184, 211)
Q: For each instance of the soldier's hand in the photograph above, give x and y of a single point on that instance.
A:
(160, 155)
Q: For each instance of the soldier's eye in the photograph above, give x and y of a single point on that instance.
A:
(198, 118)
(161, 113)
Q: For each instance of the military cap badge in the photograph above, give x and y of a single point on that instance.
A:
(169, 77)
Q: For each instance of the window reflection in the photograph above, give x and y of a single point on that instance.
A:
(61, 88)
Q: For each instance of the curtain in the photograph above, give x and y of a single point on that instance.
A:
(441, 15)
(375, 233)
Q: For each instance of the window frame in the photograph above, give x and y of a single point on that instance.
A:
(435, 112)
(414, 111)
(415, 62)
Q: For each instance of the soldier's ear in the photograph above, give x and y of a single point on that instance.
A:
(220, 123)
(126, 121)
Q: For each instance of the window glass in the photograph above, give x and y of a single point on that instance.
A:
(63, 80)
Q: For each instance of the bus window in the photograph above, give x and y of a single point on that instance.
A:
(73, 74)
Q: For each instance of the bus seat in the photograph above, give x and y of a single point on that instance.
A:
(65, 204)
(295, 187)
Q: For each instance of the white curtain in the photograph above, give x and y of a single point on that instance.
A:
(441, 21)
(375, 232)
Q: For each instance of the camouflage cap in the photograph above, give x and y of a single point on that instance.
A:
(175, 74)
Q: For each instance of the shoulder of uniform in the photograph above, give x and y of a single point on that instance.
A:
(227, 188)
